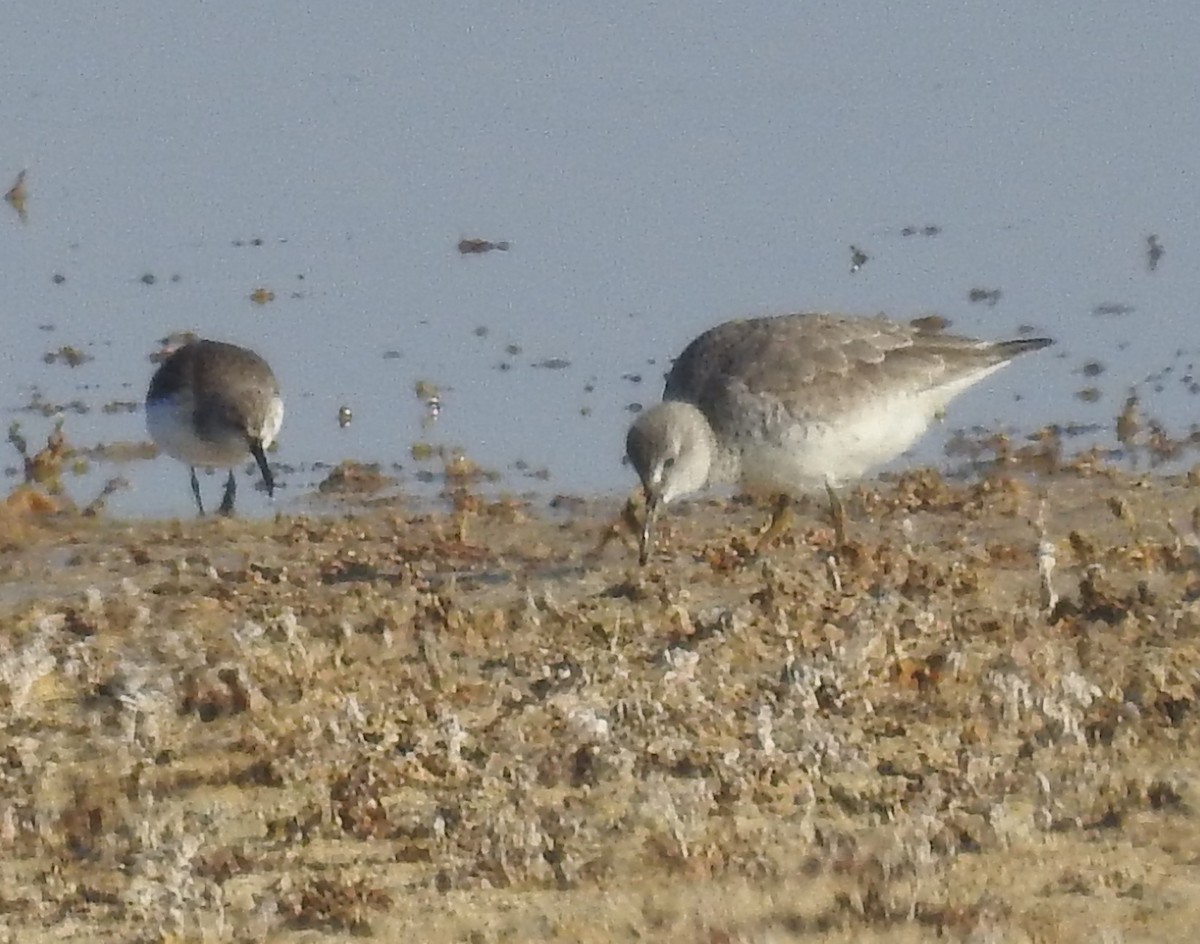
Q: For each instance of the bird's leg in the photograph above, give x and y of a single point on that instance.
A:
(782, 518)
(196, 491)
(226, 508)
(256, 450)
(838, 512)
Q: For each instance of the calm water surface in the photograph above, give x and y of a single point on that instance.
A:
(654, 171)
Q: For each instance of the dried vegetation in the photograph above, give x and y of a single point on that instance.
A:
(974, 723)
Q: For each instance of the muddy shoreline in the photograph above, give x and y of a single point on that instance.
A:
(973, 723)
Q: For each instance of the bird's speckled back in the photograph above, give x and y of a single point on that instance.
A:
(816, 368)
(230, 386)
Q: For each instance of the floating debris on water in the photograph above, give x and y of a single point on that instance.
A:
(355, 478)
(39, 404)
(858, 259)
(1113, 309)
(986, 296)
(541, 473)
(429, 394)
(1154, 252)
(71, 356)
(474, 247)
(17, 195)
(120, 452)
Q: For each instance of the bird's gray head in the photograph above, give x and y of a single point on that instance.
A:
(671, 446)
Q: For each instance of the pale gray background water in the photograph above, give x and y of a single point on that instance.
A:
(657, 169)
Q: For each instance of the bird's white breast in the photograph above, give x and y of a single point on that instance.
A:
(807, 455)
(272, 421)
(169, 422)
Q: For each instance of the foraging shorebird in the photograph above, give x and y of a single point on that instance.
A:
(212, 404)
(792, 404)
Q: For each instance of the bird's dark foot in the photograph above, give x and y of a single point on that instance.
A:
(226, 509)
(196, 492)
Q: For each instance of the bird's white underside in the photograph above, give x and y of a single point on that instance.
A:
(847, 447)
(272, 422)
(170, 425)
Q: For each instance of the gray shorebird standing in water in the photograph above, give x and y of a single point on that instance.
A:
(213, 404)
(793, 404)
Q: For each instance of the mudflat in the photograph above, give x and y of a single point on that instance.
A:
(973, 722)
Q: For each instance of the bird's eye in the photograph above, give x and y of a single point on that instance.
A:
(668, 462)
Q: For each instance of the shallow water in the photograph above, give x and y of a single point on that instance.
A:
(654, 172)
